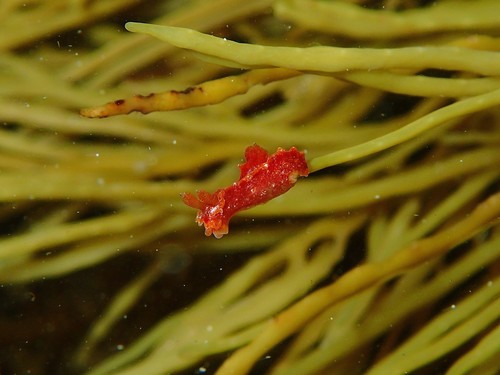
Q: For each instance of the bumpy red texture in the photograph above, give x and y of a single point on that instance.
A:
(262, 178)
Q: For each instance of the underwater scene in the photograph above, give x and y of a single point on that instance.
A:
(249, 187)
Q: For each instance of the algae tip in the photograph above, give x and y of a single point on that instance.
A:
(162, 32)
(135, 27)
(208, 48)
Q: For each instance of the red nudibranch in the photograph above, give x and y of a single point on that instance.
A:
(262, 178)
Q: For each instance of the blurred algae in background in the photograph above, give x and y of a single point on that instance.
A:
(385, 260)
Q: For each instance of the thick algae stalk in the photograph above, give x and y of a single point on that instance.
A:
(323, 59)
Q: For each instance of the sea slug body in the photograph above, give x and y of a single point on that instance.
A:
(262, 178)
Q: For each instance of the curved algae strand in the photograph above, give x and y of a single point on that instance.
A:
(413, 129)
(209, 92)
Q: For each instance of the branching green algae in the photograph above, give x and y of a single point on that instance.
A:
(384, 260)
